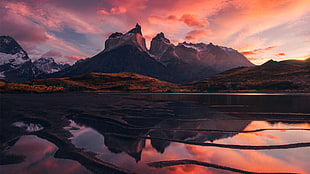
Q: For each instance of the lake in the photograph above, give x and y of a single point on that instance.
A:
(214, 133)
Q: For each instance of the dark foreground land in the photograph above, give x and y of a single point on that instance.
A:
(134, 117)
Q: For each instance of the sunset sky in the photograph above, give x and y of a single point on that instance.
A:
(72, 29)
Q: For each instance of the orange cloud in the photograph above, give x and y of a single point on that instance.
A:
(118, 10)
(196, 34)
(280, 54)
(188, 19)
(192, 21)
(73, 57)
(234, 23)
(259, 50)
(102, 11)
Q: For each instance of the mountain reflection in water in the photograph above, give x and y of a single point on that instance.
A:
(117, 141)
(144, 132)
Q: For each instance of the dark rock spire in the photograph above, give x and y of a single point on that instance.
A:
(137, 29)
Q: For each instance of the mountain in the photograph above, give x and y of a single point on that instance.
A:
(123, 53)
(48, 65)
(191, 62)
(284, 76)
(288, 75)
(179, 64)
(15, 65)
(218, 58)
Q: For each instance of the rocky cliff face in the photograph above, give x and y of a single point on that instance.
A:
(123, 53)
(15, 65)
(218, 58)
(133, 37)
(127, 52)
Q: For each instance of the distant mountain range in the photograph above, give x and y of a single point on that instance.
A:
(200, 67)
(179, 64)
(127, 52)
(284, 76)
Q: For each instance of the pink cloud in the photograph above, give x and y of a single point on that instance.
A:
(51, 17)
(196, 34)
(102, 11)
(52, 53)
(118, 10)
(192, 21)
(20, 28)
(235, 23)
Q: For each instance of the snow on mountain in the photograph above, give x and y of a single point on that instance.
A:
(127, 52)
(11, 52)
(218, 57)
(15, 64)
(15, 59)
(48, 65)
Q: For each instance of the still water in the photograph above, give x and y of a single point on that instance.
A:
(171, 133)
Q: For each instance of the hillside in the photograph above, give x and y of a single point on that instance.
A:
(289, 75)
(100, 82)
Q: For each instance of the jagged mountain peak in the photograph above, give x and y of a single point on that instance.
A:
(8, 45)
(132, 37)
(159, 45)
(137, 29)
(15, 64)
(161, 37)
(115, 35)
(11, 52)
(48, 65)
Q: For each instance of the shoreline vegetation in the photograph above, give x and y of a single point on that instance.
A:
(284, 76)
(136, 83)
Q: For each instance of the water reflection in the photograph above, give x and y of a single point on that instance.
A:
(29, 127)
(249, 133)
(175, 129)
(37, 157)
(206, 130)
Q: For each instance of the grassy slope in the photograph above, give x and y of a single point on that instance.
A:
(288, 75)
(284, 76)
(110, 82)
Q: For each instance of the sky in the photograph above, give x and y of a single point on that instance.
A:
(69, 30)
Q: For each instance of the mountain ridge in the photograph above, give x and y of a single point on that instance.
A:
(165, 61)
(287, 75)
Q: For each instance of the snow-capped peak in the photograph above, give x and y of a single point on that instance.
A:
(15, 59)
(197, 47)
(227, 49)
(48, 65)
(11, 52)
